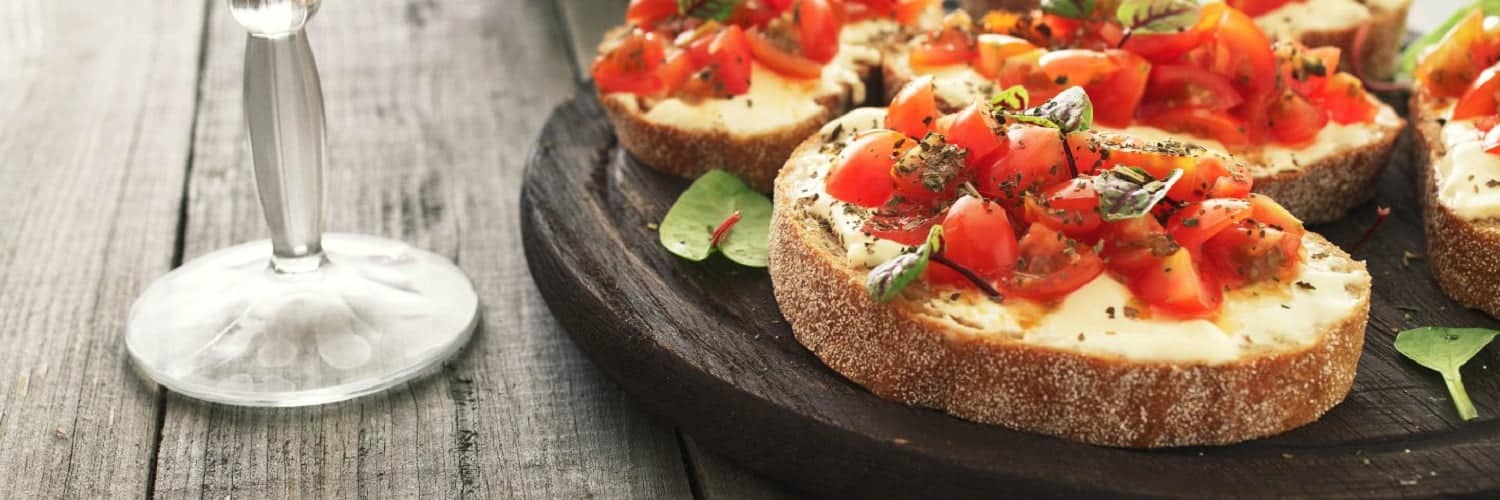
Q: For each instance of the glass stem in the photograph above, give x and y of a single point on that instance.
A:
(284, 109)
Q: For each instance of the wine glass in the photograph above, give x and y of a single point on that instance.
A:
(304, 318)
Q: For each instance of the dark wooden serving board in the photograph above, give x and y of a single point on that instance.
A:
(704, 346)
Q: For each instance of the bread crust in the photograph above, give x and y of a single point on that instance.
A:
(1317, 193)
(897, 353)
(1464, 254)
(1387, 28)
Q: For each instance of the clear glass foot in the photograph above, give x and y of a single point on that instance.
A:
(228, 328)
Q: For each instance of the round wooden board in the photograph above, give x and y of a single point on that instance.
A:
(704, 346)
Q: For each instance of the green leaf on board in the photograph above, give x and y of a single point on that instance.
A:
(689, 226)
(1445, 350)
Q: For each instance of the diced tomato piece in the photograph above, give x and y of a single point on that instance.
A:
(1052, 265)
(1025, 70)
(754, 14)
(1457, 59)
(1196, 222)
(1116, 97)
(1345, 99)
(1305, 70)
(1218, 178)
(974, 129)
(914, 109)
(818, 25)
(906, 223)
(646, 13)
(994, 49)
(1479, 99)
(1215, 125)
(1069, 67)
(1164, 48)
(908, 12)
(1255, 8)
(929, 169)
(1033, 159)
(1185, 86)
(1132, 245)
(631, 65)
(781, 61)
(861, 173)
(731, 60)
(1294, 120)
(1071, 207)
(1250, 252)
(1267, 211)
(1174, 286)
(977, 235)
(951, 44)
(676, 71)
(1242, 53)
(1088, 152)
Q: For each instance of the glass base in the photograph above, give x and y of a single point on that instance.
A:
(228, 328)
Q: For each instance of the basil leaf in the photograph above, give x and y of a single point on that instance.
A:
(1157, 16)
(1069, 111)
(1014, 97)
(1073, 9)
(707, 10)
(1414, 51)
(1130, 192)
(1444, 350)
(688, 228)
(887, 280)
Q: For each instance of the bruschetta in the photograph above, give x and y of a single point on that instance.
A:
(1315, 23)
(695, 86)
(1109, 290)
(1457, 154)
(1314, 138)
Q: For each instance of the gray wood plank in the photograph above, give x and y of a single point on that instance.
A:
(586, 21)
(432, 108)
(97, 100)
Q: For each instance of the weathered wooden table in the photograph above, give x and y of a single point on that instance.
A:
(123, 153)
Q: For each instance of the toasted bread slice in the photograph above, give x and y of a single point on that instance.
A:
(1463, 251)
(749, 135)
(1315, 23)
(1079, 371)
(1319, 183)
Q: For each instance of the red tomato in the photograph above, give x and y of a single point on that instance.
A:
(1088, 152)
(1479, 99)
(1069, 67)
(1456, 60)
(952, 44)
(1267, 211)
(977, 235)
(976, 131)
(1196, 222)
(1164, 48)
(923, 164)
(781, 61)
(1215, 125)
(1052, 265)
(1025, 70)
(631, 66)
(1306, 70)
(906, 223)
(1218, 179)
(676, 71)
(1293, 120)
(1175, 286)
(1185, 86)
(1116, 97)
(818, 26)
(1132, 245)
(861, 174)
(914, 109)
(994, 49)
(647, 13)
(1071, 207)
(1242, 53)
(1250, 252)
(908, 12)
(754, 14)
(1032, 160)
(1345, 99)
(730, 56)
(1255, 8)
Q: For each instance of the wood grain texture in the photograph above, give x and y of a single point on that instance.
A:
(94, 139)
(703, 345)
(431, 108)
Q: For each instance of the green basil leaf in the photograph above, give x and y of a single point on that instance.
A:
(688, 228)
(1157, 16)
(1414, 51)
(1130, 192)
(1015, 98)
(707, 10)
(1072, 9)
(887, 280)
(1069, 111)
(1445, 350)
